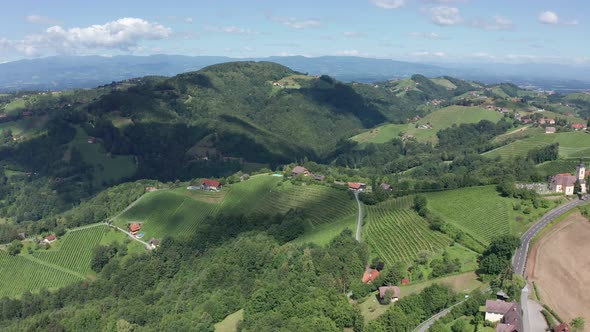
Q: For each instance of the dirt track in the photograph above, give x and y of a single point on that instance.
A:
(560, 266)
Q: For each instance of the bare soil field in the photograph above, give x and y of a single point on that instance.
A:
(560, 266)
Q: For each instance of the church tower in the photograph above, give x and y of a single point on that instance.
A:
(581, 177)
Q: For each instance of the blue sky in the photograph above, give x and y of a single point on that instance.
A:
(413, 30)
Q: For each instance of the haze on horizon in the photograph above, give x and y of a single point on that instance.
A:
(545, 31)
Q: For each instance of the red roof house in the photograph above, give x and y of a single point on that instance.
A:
(578, 126)
(405, 281)
(356, 186)
(134, 227)
(50, 238)
(563, 327)
(370, 275)
(210, 184)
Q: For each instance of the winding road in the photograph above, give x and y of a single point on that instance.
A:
(425, 325)
(359, 223)
(520, 257)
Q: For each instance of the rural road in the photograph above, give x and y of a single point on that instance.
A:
(524, 302)
(359, 222)
(425, 325)
(147, 245)
(520, 257)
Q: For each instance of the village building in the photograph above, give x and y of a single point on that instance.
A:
(405, 281)
(508, 315)
(385, 186)
(154, 243)
(550, 130)
(50, 239)
(21, 236)
(150, 189)
(207, 184)
(565, 182)
(319, 177)
(300, 170)
(395, 293)
(357, 186)
(563, 327)
(134, 228)
(91, 140)
(578, 126)
(370, 275)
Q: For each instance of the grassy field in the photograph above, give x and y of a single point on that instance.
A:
(230, 323)
(25, 128)
(571, 145)
(106, 168)
(482, 212)
(439, 119)
(398, 235)
(177, 212)
(14, 106)
(560, 166)
(444, 82)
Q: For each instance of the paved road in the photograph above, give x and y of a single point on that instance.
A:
(520, 257)
(524, 302)
(359, 222)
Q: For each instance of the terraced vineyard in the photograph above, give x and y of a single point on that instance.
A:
(167, 213)
(560, 166)
(404, 202)
(75, 251)
(19, 273)
(479, 211)
(400, 234)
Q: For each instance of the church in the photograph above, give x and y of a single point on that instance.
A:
(565, 182)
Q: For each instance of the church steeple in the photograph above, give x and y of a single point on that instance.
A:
(580, 172)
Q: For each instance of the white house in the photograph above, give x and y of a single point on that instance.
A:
(565, 182)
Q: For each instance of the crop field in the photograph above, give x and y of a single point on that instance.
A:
(404, 202)
(440, 119)
(19, 273)
(571, 145)
(400, 234)
(479, 211)
(167, 213)
(106, 168)
(75, 250)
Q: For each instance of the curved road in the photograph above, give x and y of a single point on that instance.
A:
(359, 222)
(520, 257)
(425, 325)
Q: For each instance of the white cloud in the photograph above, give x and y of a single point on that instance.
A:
(352, 53)
(123, 34)
(548, 17)
(188, 20)
(297, 24)
(428, 54)
(354, 34)
(388, 4)
(232, 30)
(39, 19)
(426, 35)
(497, 23)
(445, 16)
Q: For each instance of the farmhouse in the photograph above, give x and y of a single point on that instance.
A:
(300, 170)
(154, 243)
(563, 327)
(507, 314)
(150, 189)
(395, 293)
(370, 275)
(565, 182)
(578, 126)
(385, 186)
(357, 186)
(134, 228)
(319, 177)
(550, 130)
(207, 184)
(50, 238)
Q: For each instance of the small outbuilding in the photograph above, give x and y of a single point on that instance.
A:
(394, 292)
(300, 170)
(207, 184)
(550, 130)
(154, 243)
(50, 239)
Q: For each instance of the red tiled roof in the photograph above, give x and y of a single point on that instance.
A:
(51, 237)
(564, 179)
(299, 170)
(578, 126)
(370, 275)
(210, 183)
(354, 185)
(498, 307)
(134, 227)
(405, 281)
(395, 289)
(563, 327)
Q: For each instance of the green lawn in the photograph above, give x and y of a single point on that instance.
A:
(482, 212)
(15, 106)
(107, 168)
(25, 128)
(571, 145)
(440, 119)
(230, 323)
(444, 82)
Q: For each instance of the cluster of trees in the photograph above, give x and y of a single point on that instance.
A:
(497, 256)
(543, 154)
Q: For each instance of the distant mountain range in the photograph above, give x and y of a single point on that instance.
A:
(66, 72)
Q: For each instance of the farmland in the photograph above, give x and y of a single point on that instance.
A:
(397, 235)
(25, 128)
(482, 212)
(439, 119)
(75, 250)
(179, 211)
(559, 166)
(571, 145)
